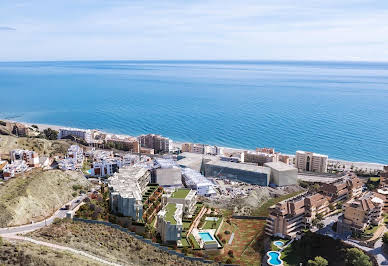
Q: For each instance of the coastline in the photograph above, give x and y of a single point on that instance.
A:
(370, 165)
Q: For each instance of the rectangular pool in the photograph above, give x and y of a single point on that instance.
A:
(206, 236)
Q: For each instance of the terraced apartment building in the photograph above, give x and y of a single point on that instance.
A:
(169, 222)
(287, 218)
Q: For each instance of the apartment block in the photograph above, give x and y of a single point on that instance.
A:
(74, 159)
(159, 143)
(259, 157)
(360, 213)
(184, 196)
(106, 167)
(84, 134)
(343, 188)
(122, 142)
(126, 188)
(169, 222)
(284, 158)
(193, 147)
(30, 157)
(16, 167)
(311, 162)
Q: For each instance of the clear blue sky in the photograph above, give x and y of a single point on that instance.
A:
(188, 29)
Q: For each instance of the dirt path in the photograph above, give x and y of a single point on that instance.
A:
(50, 245)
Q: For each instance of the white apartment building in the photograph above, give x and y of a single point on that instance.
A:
(195, 180)
(212, 150)
(16, 167)
(106, 167)
(85, 134)
(126, 188)
(74, 159)
(311, 162)
(169, 222)
(184, 196)
(30, 157)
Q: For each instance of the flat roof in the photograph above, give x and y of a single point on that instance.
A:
(280, 166)
(240, 166)
(170, 212)
(180, 193)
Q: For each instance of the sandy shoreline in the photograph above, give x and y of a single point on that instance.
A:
(369, 165)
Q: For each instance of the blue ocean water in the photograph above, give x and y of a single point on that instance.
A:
(339, 109)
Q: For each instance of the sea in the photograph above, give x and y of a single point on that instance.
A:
(334, 108)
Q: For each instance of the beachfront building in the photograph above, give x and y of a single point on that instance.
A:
(169, 222)
(258, 157)
(195, 180)
(14, 168)
(84, 134)
(248, 173)
(30, 157)
(122, 142)
(284, 159)
(311, 162)
(193, 147)
(282, 174)
(126, 188)
(184, 196)
(158, 143)
(360, 213)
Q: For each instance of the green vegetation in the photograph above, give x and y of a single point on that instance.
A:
(170, 211)
(263, 209)
(212, 224)
(370, 230)
(355, 256)
(50, 134)
(194, 242)
(373, 183)
(318, 261)
(180, 193)
(94, 209)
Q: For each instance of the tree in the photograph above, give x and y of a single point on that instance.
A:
(331, 207)
(318, 261)
(35, 126)
(385, 238)
(356, 257)
(50, 134)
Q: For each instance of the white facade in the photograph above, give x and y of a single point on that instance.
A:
(30, 157)
(312, 162)
(84, 134)
(188, 201)
(169, 225)
(16, 167)
(106, 167)
(282, 174)
(195, 180)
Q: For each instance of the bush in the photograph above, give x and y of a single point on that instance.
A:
(229, 261)
(227, 232)
(354, 256)
(230, 253)
(74, 194)
(385, 238)
(50, 134)
(1, 241)
(318, 261)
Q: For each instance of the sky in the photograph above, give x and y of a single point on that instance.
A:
(347, 30)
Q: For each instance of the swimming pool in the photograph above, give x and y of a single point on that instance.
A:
(206, 236)
(278, 243)
(274, 258)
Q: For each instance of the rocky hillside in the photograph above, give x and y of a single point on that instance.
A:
(43, 147)
(37, 194)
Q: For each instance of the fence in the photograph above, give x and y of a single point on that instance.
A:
(145, 240)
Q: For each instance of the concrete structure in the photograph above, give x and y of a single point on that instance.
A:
(193, 147)
(258, 157)
(44, 162)
(343, 188)
(122, 142)
(212, 150)
(184, 196)
(167, 173)
(76, 152)
(282, 174)
(309, 161)
(126, 188)
(16, 167)
(99, 155)
(158, 143)
(30, 157)
(237, 171)
(85, 134)
(192, 160)
(284, 159)
(195, 180)
(360, 213)
(169, 222)
(106, 167)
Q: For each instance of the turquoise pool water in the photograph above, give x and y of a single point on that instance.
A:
(279, 244)
(206, 236)
(274, 258)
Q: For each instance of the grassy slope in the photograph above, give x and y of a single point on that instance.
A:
(36, 195)
(30, 254)
(43, 147)
(106, 242)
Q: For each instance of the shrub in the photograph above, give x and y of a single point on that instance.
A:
(385, 238)
(227, 232)
(318, 261)
(354, 256)
(230, 253)
(74, 194)
(1, 241)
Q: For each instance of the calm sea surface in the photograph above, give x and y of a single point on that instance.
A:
(339, 109)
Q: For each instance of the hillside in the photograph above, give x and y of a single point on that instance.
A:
(19, 253)
(36, 195)
(43, 147)
(108, 243)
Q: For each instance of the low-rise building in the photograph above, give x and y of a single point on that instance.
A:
(193, 147)
(84, 134)
(184, 196)
(195, 180)
(282, 174)
(169, 222)
(14, 168)
(126, 188)
(106, 167)
(313, 162)
(30, 157)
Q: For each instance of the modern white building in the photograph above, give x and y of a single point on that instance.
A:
(30, 157)
(126, 188)
(184, 196)
(282, 174)
(85, 134)
(311, 162)
(106, 167)
(74, 159)
(16, 167)
(195, 180)
(169, 222)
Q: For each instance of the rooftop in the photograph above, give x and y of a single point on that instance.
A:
(240, 166)
(280, 166)
(180, 193)
(170, 212)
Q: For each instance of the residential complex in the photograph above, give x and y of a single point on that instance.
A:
(74, 159)
(184, 196)
(158, 143)
(14, 168)
(30, 157)
(195, 180)
(313, 162)
(126, 188)
(84, 134)
(169, 222)
(193, 147)
(125, 143)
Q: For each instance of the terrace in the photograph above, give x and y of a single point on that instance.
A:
(180, 193)
(170, 208)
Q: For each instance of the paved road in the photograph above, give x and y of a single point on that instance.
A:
(50, 245)
(35, 226)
